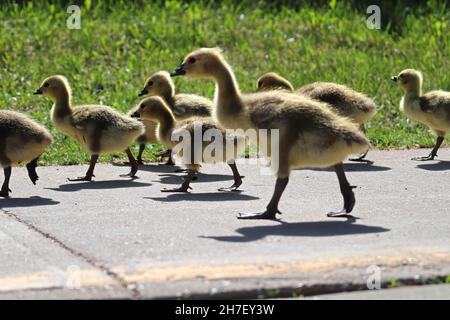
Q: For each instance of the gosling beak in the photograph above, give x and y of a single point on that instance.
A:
(38, 91)
(135, 114)
(178, 71)
(143, 92)
(394, 78)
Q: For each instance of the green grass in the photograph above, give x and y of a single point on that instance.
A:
(394, 283)
(122, 42)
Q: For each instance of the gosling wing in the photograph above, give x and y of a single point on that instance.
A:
(434, 100)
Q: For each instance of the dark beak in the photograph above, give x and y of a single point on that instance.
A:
(38, 91)
(178, 71)
(394, 78)
(143, 92)
(135, 114)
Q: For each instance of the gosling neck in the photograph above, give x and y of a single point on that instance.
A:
(413, 92)
(166, 121)
(168, 94)
(62, 104)
(227, 95)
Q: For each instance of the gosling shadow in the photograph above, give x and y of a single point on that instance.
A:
(357, 167)
(152, 167)
(436, 166)
(201, 177)
(99, 185)
(300, 229)
(206, 196)
(26, 202)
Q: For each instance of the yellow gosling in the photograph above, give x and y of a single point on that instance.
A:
(22, 140)
(310, 134)
(97, 128)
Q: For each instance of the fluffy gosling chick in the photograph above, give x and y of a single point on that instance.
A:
(273, 81)
(310, 135)
(342, 99)
(149, 135)
(22, 140)
(155, 109)
(431, 109)
(183, 106)
(97, 128)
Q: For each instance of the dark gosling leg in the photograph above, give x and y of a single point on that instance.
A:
(141, 151)
(31, 168)
(237, 178)
(133, 163)
(272, 207)
(4, 192)
(90, 171)
(185, 185)
(362, 157)
(346, 191)
(433, 153)
(169, 161)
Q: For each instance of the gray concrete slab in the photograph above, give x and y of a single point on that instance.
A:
(157, 244)
(430, 292)
(32, 263)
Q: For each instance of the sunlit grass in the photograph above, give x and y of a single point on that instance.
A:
(122, 42)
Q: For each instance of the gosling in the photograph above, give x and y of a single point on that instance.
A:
(155, 109)
(310, 135)
(149, 136)
(22, 140)
(97, 128)
(183, 106)
(342, 99)
(431, 109)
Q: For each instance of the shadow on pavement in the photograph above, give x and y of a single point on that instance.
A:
(154, 167)
(358, 167)
(177, 179)
(109, 184)
(437, 166)
(364, 167)
(210, 196)
(300, 229)
(26, 202)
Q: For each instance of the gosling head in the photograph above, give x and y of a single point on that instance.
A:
(53, 86)
(271, 81)
(158, 84)
(409, 80)
(152, 108)
(201, 63)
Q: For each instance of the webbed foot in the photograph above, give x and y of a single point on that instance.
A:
(234, 187)
(426, 158)
(182, 188)
(266, 215)
(349, 203)
(5, 192)
(33, 176)
(85, 178)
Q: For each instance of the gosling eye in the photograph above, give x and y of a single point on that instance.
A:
(401, 76)
(259, 84)
(150, 83)
(141, 106)
(46, 84)
(192, 60)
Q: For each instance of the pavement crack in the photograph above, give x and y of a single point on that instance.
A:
(130, 287)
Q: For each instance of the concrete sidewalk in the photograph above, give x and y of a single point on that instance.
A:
(430, 292)
(121, 238)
